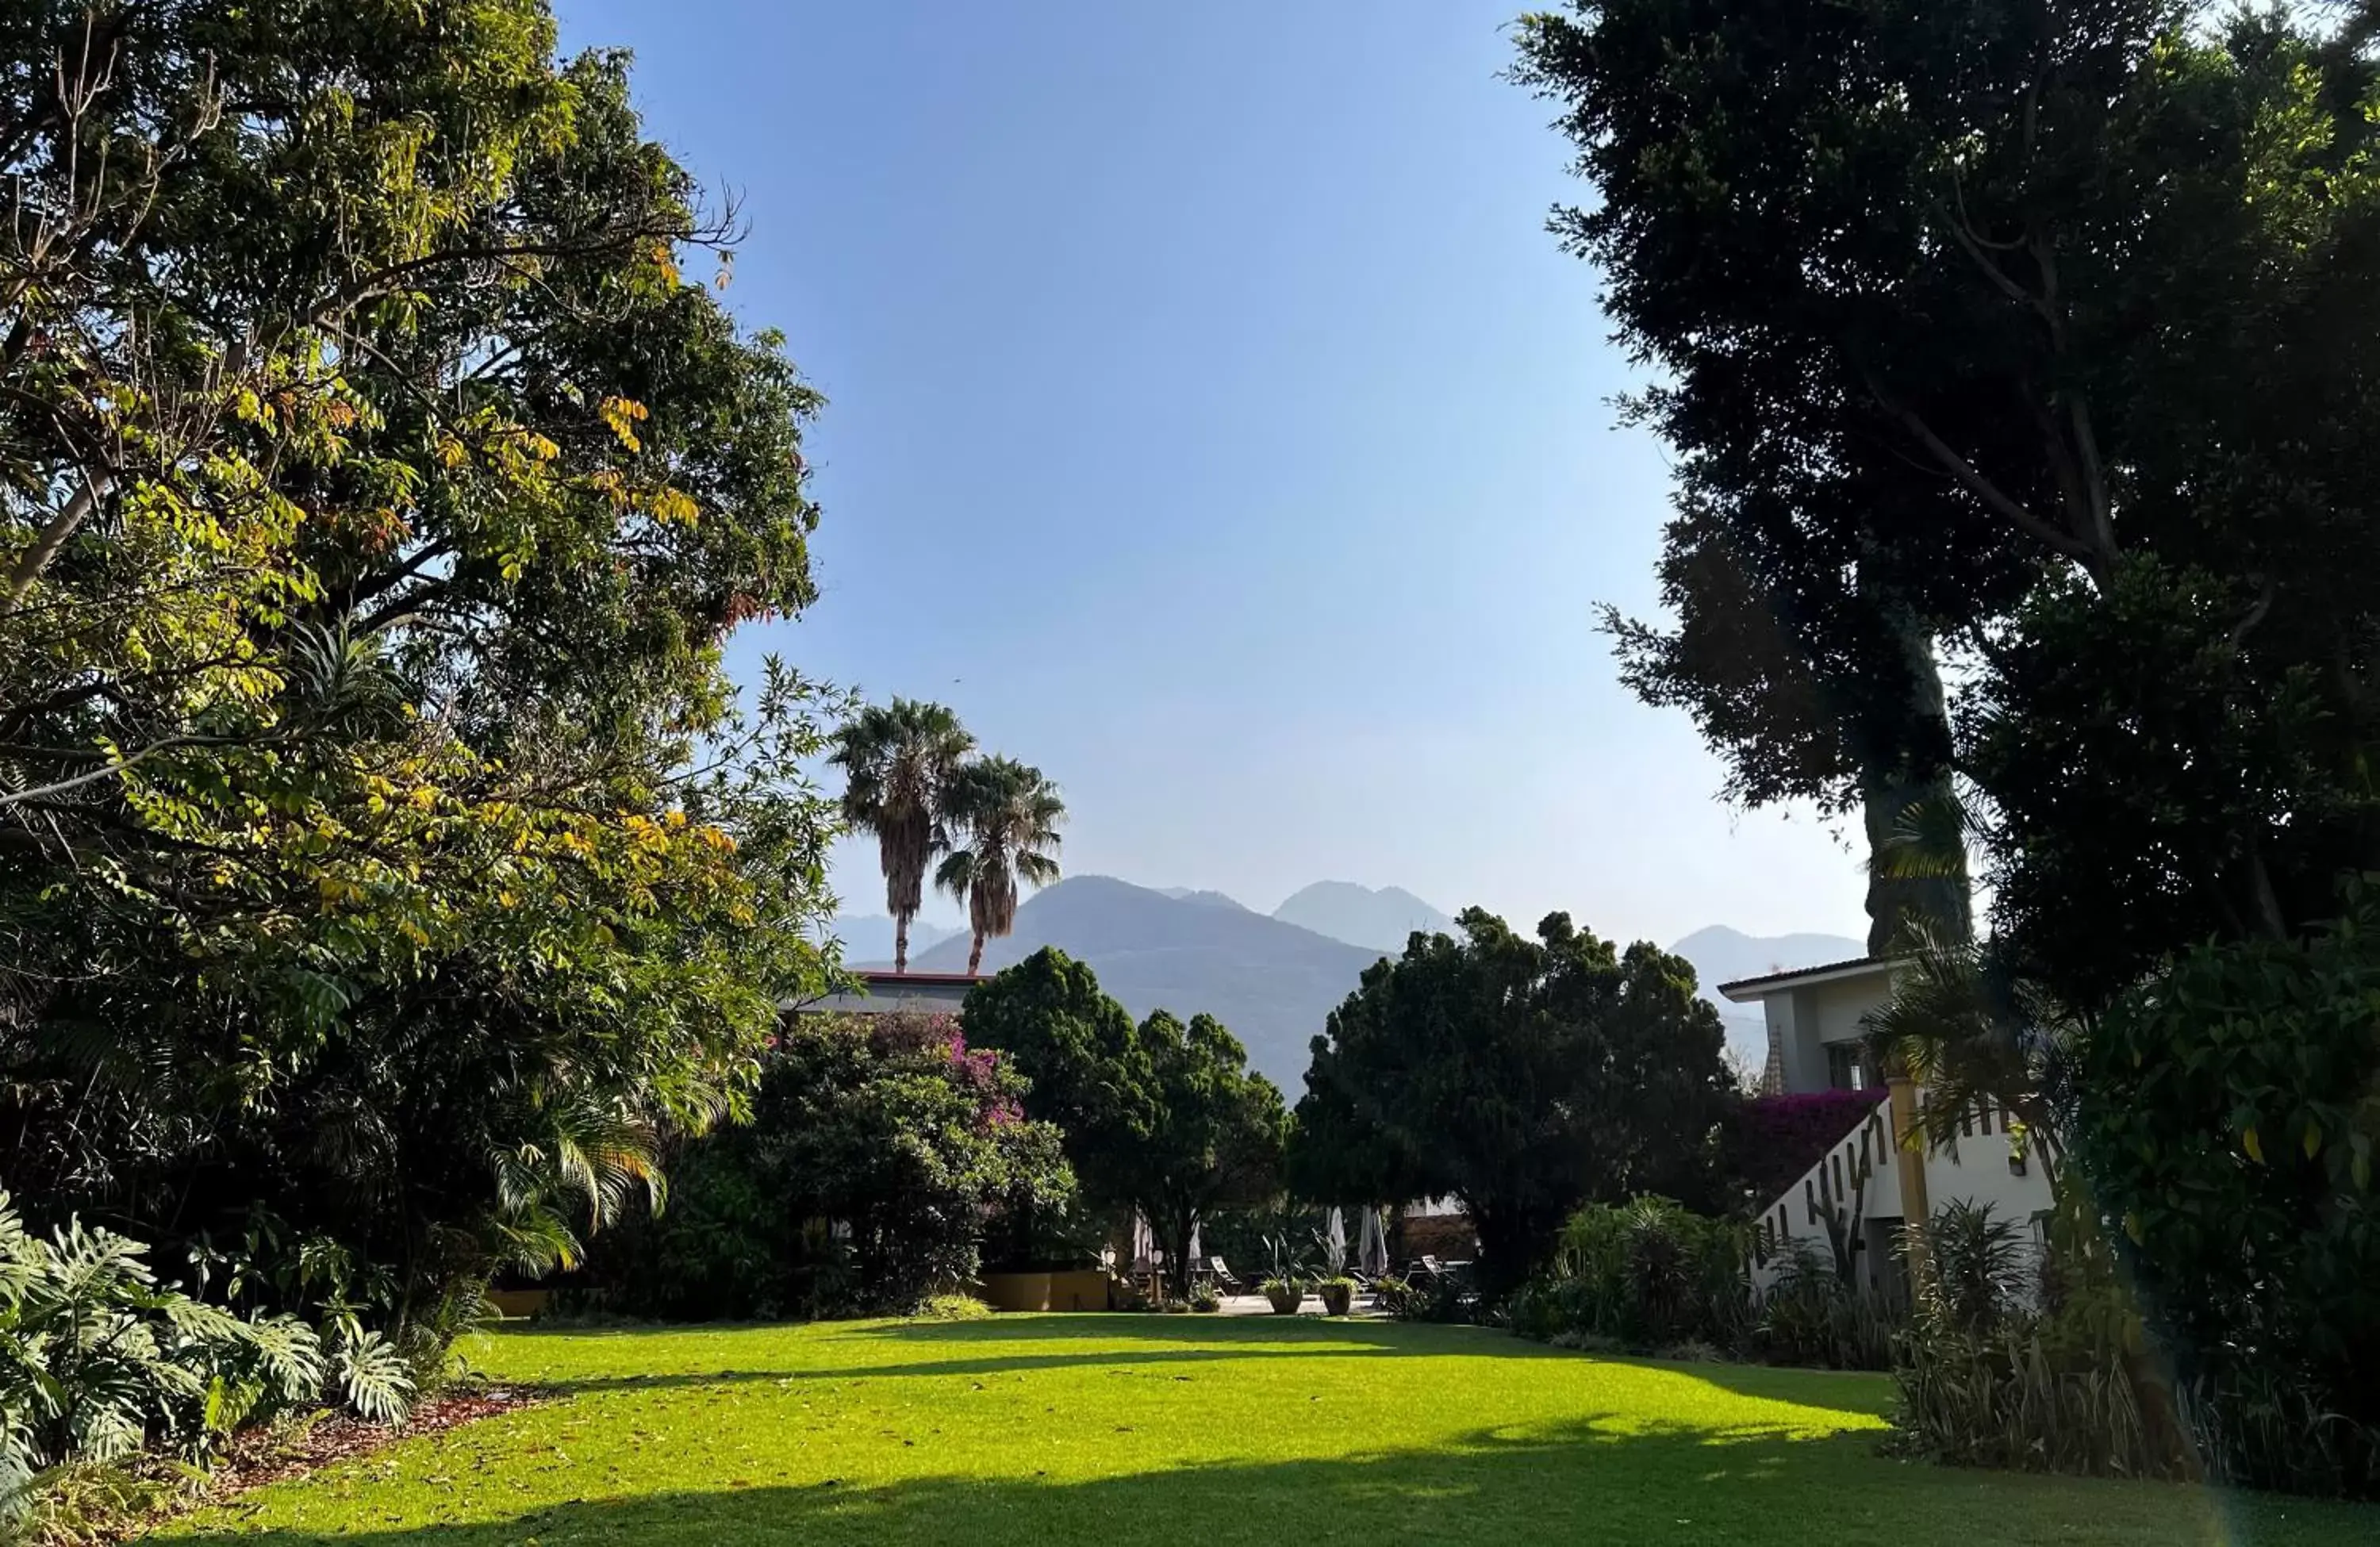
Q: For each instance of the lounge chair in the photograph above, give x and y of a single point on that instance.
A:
(1220, 1272)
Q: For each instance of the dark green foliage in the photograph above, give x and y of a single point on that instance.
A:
(1897, 262)
(387, 866)
(2050, 1368)
(1896, 259)
(1214, 1131)
(2042, 334)
(1164, 1119)
(1440, 1297)
(1978, 1268)
(1641, 1275)
(886, 1125)
(1077, 1050)
(1647, 1276)
(2225, 1117)
(1523, 1076)
(99, 1360)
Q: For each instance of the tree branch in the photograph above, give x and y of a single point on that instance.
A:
(106, 771)
(46, 544)
(1983, 488)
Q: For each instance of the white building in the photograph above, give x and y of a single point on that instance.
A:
(1857, 1196)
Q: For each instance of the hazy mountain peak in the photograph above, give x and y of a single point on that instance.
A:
(1722, 954)
(1204, 899)
(1272, 982)
(868, 937)
(1377, 920)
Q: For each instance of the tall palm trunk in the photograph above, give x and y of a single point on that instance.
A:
(901, 942)
(975, 956)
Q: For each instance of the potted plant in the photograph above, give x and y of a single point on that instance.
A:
(1286, 1288)
(1338, 1294)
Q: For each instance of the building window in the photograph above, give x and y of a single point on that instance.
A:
(1847, 1067)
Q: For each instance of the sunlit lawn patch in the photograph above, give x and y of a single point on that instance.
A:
(1047, 1431)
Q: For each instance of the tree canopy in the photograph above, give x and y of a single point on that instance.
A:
(1523, 1076)
(1005, 818)
(1162, 1118)
(385, 857)
(2036, 332)
(901, 764)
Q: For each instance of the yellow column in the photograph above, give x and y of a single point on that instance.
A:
(1909, 1150)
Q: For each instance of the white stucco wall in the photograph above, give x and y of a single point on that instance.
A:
(1804, 1020)
(1975, 1170)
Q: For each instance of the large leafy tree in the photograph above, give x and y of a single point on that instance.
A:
(1523, 1076)
(1213, 1135)
(385, 857)
(900, 763)
(1164, 1119)
(2037, 331)
(1078, 1051)
(1006, 816)
(2051, 327)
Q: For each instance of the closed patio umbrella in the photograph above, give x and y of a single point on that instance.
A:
(1372, 1251)
(1337, 1240)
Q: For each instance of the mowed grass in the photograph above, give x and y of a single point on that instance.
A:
(1043, 1431)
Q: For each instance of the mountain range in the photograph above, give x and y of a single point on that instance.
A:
(1270, 983)
(1721, 954)
(1273, 978)
(868, 937)
(1380, 920)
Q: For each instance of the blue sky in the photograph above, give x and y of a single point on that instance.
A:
(1213, 423)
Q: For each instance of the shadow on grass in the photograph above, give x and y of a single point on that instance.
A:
(1300, 1332)
(1595, 1479)
(1119, 1359)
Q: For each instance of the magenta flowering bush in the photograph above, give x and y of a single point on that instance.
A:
(1771, 1141)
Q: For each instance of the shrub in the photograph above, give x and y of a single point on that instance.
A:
(1978, 1269)
(1441, 1299)
(1587, 1342)
(1770, 1141)
(2227, 1120)
(2060, 1375)
(1204, 1301)
(1810, 1316)
(953, 1308)
(1642, 1274)
(889, 1125)
(98, 1362)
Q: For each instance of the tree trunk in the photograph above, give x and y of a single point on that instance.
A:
(1908, 765)
(1175, 1231)
(975, 956)
(900, 943)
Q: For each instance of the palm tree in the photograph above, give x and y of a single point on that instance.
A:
(898, 764)
(1009, 815)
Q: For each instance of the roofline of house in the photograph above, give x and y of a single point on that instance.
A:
(930, 980)
(1751, 990)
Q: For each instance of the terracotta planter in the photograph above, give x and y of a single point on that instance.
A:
(1337, 1298)
(1286, 1301)
(514, 1304)
(1078, 1289)
(1016, 1291)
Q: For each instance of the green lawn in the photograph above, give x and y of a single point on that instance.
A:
(1113, 1430)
